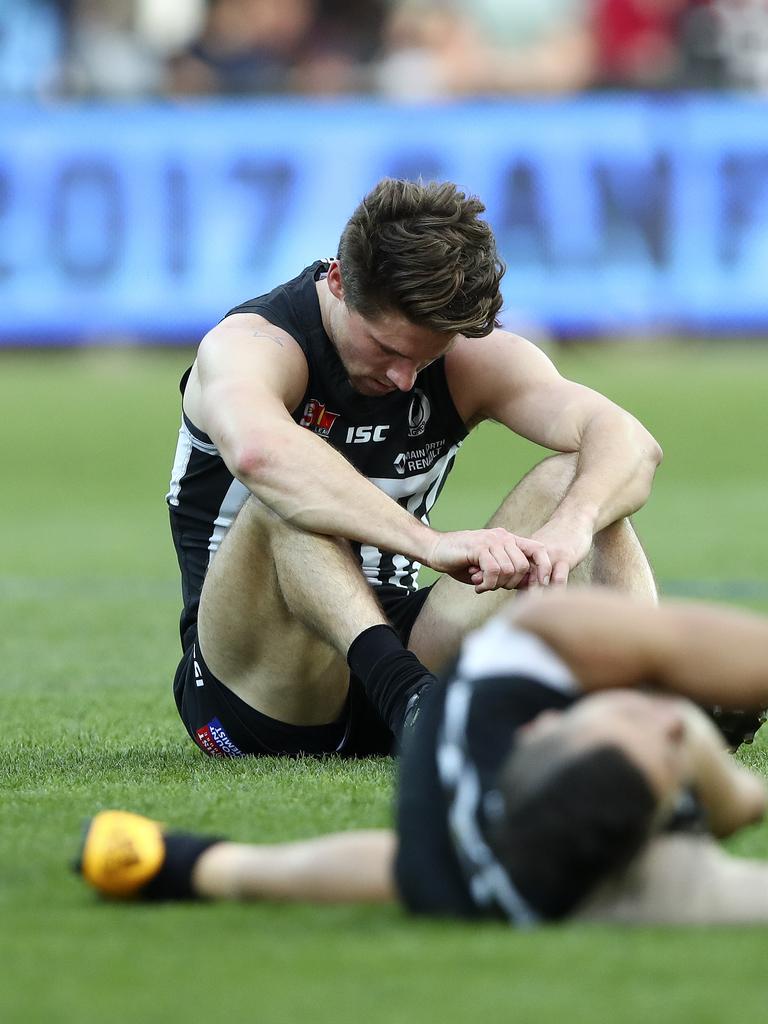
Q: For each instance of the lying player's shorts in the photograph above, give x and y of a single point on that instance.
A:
(223, 725)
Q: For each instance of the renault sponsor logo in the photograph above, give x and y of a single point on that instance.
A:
(418, 413)
(419, 459)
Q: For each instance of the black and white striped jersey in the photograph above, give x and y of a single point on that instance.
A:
(449, 773)
(404, 443)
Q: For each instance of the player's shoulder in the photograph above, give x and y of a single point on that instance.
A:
(501, 648)
(249, 337)
(497, 347)
(480, 371)
(245, 352)
(292, 305)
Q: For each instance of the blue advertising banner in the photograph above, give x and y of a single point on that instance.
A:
(612, 213)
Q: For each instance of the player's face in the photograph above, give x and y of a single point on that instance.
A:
(649, 730)
(381, 354)
(385, 354)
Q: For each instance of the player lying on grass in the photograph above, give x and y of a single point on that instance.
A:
(561, 770)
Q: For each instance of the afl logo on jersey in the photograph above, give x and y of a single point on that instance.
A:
(418, 414)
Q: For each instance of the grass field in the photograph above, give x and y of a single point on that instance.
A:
(88, 606)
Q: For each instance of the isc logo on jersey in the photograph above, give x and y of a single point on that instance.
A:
(362, 435)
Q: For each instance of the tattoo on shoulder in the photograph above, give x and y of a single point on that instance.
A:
(263, 334)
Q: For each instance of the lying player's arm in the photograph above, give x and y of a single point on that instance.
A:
(507, 379)
(128, 856)
(347, 867)
(711, 654)
(247, 377)
(731, 795)
(683, 879)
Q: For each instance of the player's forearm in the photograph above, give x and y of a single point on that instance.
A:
(713, 654)
(348, 867)
(312, 487)
(709, 653)
(731, 795)
(617, 460)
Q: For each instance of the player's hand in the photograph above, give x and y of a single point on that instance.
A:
(566, 547)
(492, 559)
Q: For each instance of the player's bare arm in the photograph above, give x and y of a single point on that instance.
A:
(507, 379)
(248, 377)
(708, 653)
(732, 796)
(346, 867)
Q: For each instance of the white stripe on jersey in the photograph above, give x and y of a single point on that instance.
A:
(370, 561)
(208, 447)
(487, 880)
(234, 499)
(419, 489)
(186, 443)
(403, 567)
(499, 649)
(180, 463)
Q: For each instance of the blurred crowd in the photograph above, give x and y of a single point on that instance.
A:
(397, 49)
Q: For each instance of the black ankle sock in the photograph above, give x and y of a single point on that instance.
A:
(174, 879)
(390, 674)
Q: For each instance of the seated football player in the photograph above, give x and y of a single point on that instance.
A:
(560, 770)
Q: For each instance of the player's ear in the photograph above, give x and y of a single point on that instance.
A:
(335, 281)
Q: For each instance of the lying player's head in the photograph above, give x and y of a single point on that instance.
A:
(583, 791)
(416, 267)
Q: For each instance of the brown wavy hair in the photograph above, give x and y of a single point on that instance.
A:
(422, 251)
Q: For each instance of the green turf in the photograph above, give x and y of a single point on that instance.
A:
(88, 600)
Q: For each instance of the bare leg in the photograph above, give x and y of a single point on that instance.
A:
(278, 610)
(616, 559)
(686, 880)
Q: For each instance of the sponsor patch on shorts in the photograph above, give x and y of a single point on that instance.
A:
(214, 741)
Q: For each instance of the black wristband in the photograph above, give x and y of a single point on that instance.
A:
(174, 879)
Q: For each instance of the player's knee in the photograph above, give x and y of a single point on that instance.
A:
(552, 477)
(258, 518)
(559, 466)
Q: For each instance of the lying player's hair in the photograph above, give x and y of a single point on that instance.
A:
(422, 251)
(570, 821)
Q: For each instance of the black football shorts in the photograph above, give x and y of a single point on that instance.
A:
(223, 725)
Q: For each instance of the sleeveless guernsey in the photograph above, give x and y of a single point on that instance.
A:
(404, 443)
